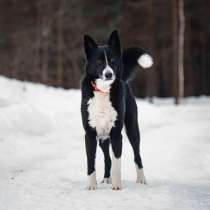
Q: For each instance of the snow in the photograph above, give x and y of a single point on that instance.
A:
(43, 162)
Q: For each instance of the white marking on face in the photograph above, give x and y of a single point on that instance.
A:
(116, 172)
(140, 175)
(107, 69)
(145, 61)
(92, 183)
(102, 115)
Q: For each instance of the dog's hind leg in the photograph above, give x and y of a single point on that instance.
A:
(104, 144)
(133, 133)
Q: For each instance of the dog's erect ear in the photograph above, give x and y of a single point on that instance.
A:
(90, 46)
(114, 42)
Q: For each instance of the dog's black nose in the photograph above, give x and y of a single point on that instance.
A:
(108, 75)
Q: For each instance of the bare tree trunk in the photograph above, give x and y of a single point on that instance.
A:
(60, 44)
(37, 45)
(150, 74)
(175, 47)
(178, 40)
(180, 51)
(45, 58)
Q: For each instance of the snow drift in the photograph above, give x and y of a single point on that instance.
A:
(43, 163)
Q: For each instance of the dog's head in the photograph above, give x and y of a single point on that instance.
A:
(103, 62)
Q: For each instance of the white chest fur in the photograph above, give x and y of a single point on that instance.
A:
(102, 115)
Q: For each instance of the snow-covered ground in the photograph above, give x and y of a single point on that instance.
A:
(43, 163)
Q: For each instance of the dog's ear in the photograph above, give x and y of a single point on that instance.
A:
(90, 46)
(114, 42)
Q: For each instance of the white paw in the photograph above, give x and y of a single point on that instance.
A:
(140, 176)
(116, 173)
(116, 188)
(92, 184)
(106, 180)
(91, 187)
(141, 180)
(116, 181)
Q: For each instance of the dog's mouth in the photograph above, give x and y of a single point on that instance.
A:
(111, 79)
(104, 85)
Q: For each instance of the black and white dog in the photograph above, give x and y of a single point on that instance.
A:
(107, 104)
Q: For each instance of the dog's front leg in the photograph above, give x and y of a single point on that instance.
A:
(116, 142)
(91, 144)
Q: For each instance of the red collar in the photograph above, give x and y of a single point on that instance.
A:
(95, 88)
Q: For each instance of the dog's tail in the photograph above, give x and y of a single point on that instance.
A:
(132, 57)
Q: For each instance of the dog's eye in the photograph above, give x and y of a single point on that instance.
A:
(98, 62)
(112, 61)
